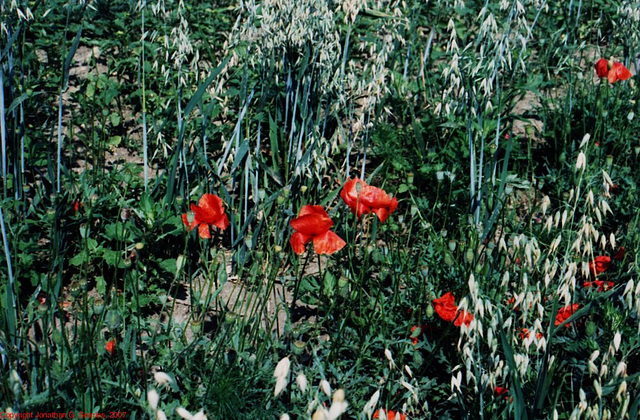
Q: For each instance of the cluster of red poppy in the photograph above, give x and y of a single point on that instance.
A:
(599, 265)
(313, 222)
(209, 212)
(565, 313)
(364, 199)
(446, 308)
(602, 286)
(562, 315)
(613, 71)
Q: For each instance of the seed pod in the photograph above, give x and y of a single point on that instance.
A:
(470, 255)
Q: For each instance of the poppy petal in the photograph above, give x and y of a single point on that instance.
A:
(377, 199)
(566, 313)
(382, 214)
(599, 265)
(211, 203)
(394, 205)
(313, 220)
(222, 222)
(349, 193)
(446, 299)
(463, 317)
(209, 209)
(353, 198)
(445, 307)
(311, 209)
(328, 243)
(602, 68)
(298, 241)
(204, 231)
(620, 72)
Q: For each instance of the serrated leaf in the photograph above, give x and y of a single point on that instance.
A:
(78, 259)
(113, 258)
(168, 265)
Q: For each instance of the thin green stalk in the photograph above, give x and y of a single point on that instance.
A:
(321, 275)
(3, 138)
(365, 146)
(236, 133)
(182, 153)
(256, 197)
(293, 125)
(345, 50)
(472, 156)
(10, 306)
(19, 185)
(145, 158)
(296, 290)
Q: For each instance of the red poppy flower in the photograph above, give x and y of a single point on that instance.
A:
(524, 333)
(599, 265)
(390, 414)
(618, 72)
(208, 212)
(613, 71)
(620, 254)
(364, 199)
(446, 308)
(601, 285)
(565, 313)
(464, 318)
(312, 224)
(110, 347)
(602, 68)
(499, 390)
(76, 205)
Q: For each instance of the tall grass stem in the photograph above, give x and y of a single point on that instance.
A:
(10, 306)
(145, 152)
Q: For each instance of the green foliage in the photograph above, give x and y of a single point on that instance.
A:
(476, 121)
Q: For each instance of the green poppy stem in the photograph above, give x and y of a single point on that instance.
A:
(296, 290)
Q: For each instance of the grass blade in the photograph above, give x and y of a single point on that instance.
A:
(520, 411)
